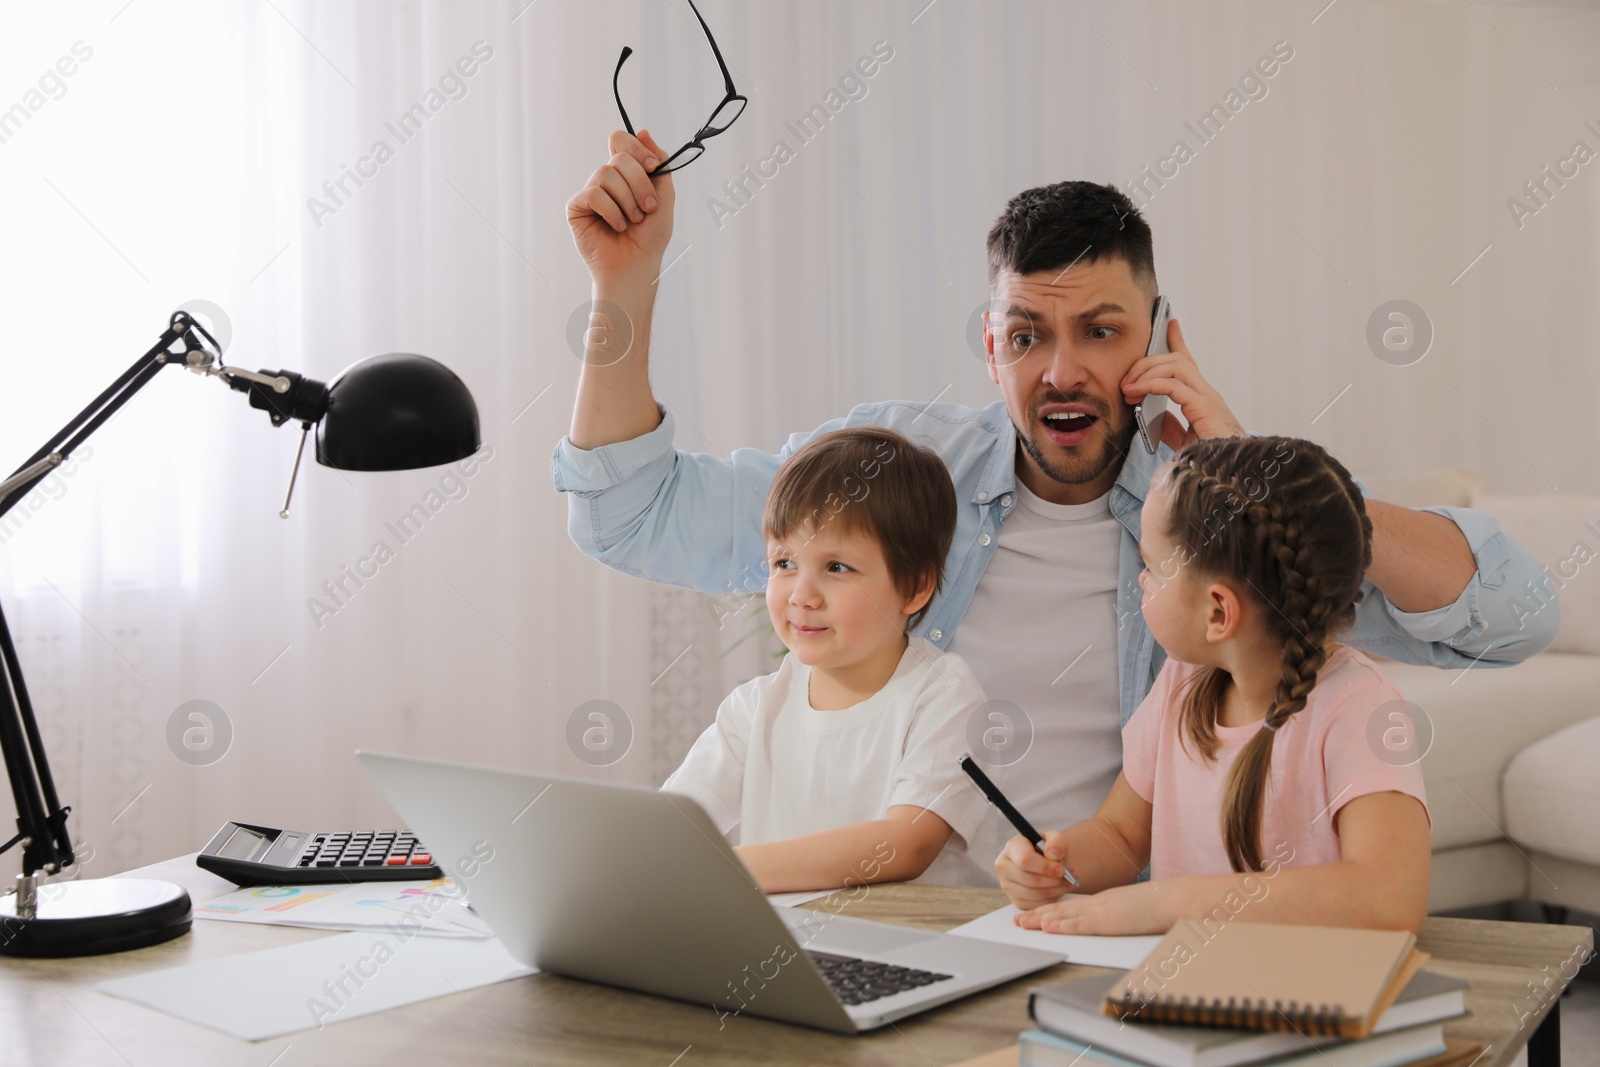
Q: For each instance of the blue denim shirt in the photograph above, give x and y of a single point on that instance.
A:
(688, 519)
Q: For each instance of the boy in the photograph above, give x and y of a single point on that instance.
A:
(840, 767)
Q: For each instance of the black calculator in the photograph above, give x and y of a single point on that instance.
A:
(246, 854)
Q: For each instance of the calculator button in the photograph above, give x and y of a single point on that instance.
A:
(395, 861)
(421, 858)
(325, 863)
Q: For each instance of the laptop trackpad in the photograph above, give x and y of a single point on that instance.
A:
(823, 931)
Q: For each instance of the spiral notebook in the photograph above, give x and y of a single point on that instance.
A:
(1269, 976)
(1072, 1009)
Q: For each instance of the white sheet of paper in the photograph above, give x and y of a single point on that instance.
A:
(432, 907)
(1094, 950)
(789, 900)
(276, 991)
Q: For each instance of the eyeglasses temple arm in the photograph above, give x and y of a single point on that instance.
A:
(727, 79)
(616, 92)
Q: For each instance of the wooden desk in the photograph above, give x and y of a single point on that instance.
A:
(51, 1014)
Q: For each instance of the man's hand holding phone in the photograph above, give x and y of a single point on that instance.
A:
(1175, 375)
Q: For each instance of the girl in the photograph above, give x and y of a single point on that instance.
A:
(1271, 773)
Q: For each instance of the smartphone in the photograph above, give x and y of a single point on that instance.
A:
(1149, 411)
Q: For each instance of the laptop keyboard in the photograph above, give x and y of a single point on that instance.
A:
(859, 981)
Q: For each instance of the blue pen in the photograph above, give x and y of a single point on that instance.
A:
(998, 799)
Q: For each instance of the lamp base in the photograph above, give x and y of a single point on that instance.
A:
(95, 916)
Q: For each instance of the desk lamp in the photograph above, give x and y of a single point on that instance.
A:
(394, 412)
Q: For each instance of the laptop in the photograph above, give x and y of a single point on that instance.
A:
(635, 888)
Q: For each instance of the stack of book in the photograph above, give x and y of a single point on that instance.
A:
(1259, 994)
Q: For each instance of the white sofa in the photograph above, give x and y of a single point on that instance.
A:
(1513, 773)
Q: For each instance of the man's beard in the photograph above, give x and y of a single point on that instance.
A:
(1086, 462)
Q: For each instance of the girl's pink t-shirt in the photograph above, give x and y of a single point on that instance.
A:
(1354, 736)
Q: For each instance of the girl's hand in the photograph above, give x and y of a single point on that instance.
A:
(1030, 879)
(1124, 909)
(1176, 376)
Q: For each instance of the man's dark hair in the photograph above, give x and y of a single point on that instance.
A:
(870, 479)
(1055, 226)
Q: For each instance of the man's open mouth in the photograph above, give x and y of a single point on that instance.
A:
(1068, 428)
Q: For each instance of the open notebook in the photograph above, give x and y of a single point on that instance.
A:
(1269, 976)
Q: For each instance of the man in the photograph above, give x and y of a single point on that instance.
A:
(1041, 595)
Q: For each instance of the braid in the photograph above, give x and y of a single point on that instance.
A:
(1302, 548)
(1303, 607)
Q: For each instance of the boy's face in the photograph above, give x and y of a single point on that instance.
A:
(830, 596)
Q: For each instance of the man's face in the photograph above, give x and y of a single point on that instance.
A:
(1059, 344)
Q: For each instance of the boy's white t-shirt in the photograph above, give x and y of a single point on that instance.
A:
(776, 767)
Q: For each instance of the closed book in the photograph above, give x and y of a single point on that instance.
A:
(1041, 1048)
(1321, 980)
(1071, 1009)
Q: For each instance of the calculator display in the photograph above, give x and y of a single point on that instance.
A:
(241, 844)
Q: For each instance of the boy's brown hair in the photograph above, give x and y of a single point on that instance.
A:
(871, 479)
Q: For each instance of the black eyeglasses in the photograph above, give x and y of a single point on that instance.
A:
(725, 115)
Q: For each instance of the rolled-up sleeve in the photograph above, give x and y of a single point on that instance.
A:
(648, 509)
(1489, 624)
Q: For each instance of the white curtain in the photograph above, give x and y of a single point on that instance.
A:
(186, 158)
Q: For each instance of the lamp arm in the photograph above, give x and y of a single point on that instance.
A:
(56, 450)
(41, 820)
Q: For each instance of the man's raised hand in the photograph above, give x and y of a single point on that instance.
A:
(622, 219)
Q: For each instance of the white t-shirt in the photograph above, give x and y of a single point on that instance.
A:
(1047, 604)
(776, 767)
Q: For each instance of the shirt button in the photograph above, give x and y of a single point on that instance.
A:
(983, 539)
(982, 497)
(1006, 500)
(936, 634)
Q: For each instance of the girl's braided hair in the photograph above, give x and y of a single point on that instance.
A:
(1284, 521)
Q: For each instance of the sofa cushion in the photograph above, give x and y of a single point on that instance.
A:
(1563, 534)
(1453, 488)
(1476, 875)
(1552, 795)
(1481, 718)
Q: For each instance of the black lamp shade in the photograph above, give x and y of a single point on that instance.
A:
(397, 412)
